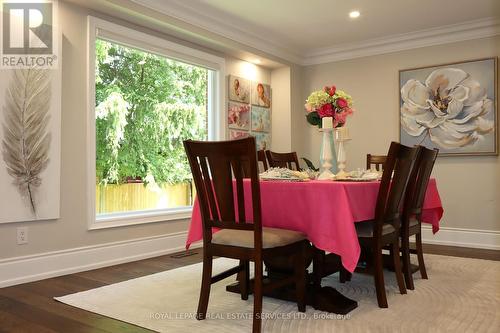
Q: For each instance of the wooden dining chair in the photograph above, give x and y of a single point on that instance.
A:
(283, 160)
(261, 157)
(384, 229)
(412, 214)
(377, 160)
(213, 165)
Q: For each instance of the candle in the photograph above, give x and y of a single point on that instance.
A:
(342, 133)
(327, 122)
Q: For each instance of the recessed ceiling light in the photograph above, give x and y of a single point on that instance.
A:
(257, 61)
(354, 14)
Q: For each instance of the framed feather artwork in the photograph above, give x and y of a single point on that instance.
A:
(30, 100)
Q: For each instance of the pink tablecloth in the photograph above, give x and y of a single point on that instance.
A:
(323, 210)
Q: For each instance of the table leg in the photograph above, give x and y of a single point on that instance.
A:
(321, 298)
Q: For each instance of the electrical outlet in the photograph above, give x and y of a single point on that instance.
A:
(22, 235)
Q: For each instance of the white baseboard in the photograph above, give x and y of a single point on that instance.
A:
(51, 264)
(480, 239)
(46, 265)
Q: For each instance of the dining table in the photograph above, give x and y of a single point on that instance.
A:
(325, 211)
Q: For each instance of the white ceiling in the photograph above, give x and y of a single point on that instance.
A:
(312, 24)
(304, 28)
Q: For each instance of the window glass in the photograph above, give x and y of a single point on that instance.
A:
(145, 106)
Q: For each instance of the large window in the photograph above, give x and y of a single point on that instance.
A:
(145, 104)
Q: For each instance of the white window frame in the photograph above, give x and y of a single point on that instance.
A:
(98, 28)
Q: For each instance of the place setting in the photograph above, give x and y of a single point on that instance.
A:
(284, 174)
(359, 175)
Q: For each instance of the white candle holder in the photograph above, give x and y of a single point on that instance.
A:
(326, 155)
(342, 135)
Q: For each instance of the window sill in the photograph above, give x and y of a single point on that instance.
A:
(136, 218)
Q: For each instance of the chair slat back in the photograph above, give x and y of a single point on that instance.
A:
(399, 165)
(377, 160)
(419, 181)
(214, 166)
(261, 157)
(283, 160)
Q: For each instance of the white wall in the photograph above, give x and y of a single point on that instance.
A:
(469, 186)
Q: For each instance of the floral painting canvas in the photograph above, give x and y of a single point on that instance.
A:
(261, 119)
(238, 116)
(263, 140)
(261, 94)
(239, 89)
(235, 134)
(450, 107)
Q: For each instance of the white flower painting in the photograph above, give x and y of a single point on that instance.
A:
(450, 107)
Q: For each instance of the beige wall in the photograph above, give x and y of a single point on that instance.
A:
(298, 115)
(469, 186)
(279, 79)
(281, 111)
(70, 231)
(247, 70)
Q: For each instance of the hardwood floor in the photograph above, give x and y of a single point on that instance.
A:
(463, 252)
(30, 307)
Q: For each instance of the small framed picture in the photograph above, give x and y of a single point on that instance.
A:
(239, 89)
(261, 119)
(263, 140)
(235, 134)
(238, 116)
(261, 94)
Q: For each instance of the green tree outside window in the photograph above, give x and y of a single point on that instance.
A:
(146, 105)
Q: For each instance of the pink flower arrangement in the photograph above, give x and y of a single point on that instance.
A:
(329, 102)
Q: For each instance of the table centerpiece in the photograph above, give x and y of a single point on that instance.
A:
(328, 109)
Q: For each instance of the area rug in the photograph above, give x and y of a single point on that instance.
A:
(461, 295)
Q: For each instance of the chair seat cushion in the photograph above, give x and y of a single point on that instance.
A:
(365, 229)
(413, 222)
(271, 237)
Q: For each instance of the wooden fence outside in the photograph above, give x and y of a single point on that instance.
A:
(113, 198)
